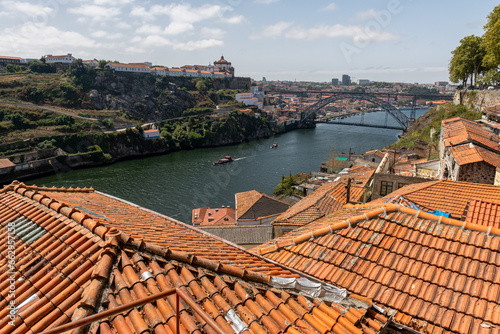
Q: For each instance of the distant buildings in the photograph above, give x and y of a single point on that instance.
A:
(363, 82)
(10, 60)
(346, 80)
(335, 82)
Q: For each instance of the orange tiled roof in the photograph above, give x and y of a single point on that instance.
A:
(155, 228)
(494, 108)
(326, 199)
(254, 205)
(10, 58)
(469, 153)
(214, 217)
(457, 131)
(444, 195)
(359, 175)
(483, 212)
(437, 273)
(68, 265)
(6, 163)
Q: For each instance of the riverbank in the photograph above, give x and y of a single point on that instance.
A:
(90, 150)
(174, 184)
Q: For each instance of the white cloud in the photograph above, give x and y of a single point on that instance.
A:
(212, 32)
(155, 40)
(233, 19)
(95, 12)
(176, 28)
(112, 2)
(274, 30)
(106, 34)
(25, 8)
(148, 29)
(198, 45)
(367, 14)
(358, 33)
(266, 2)
(332, 6)
(184, 16)
(40, 39)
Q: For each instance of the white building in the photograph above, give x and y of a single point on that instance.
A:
(65, 59)
(131, 67)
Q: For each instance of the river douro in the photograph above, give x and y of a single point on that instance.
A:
(176, 183)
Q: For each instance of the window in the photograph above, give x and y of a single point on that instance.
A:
(385, 188)
(401, 185)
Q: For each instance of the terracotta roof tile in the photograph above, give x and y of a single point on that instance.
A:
(67, 266)
(458, 131)
(469, 153)
(326, 199)
(444, 195)
(483, 212)
(428, 286)
(150, 226)
(254, 205)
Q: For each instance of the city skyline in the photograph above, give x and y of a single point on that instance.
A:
(393, 40)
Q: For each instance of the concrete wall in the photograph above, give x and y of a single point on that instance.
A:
(477, 98)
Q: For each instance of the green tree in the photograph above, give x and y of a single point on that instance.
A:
(492, 39)
(81, 74)
(102, 63)
(467, 60)
(181, 136)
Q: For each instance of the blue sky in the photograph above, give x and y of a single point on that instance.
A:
(381, 40)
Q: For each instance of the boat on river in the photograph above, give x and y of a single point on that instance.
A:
(224, 160)
(275, 145)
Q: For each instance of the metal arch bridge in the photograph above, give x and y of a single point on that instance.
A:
(375, 98)
(394, 112)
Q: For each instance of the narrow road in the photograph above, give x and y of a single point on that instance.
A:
(19, 104)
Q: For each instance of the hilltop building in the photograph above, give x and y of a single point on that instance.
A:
(62, 59)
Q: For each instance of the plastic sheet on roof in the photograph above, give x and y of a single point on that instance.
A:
(312, 289)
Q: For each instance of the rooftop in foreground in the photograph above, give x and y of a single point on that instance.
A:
(73, 262)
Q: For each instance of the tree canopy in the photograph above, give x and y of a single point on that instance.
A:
(477, 58)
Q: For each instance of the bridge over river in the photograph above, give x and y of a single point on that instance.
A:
(381, 100)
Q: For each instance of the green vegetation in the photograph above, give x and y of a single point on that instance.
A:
(431, 121)
(287, 185)
(417, 90)
(477, 58)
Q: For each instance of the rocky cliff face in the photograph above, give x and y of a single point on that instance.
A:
(144, 96)
(477, 98)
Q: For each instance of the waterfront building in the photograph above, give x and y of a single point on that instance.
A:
(62, 59)
(151, 134)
